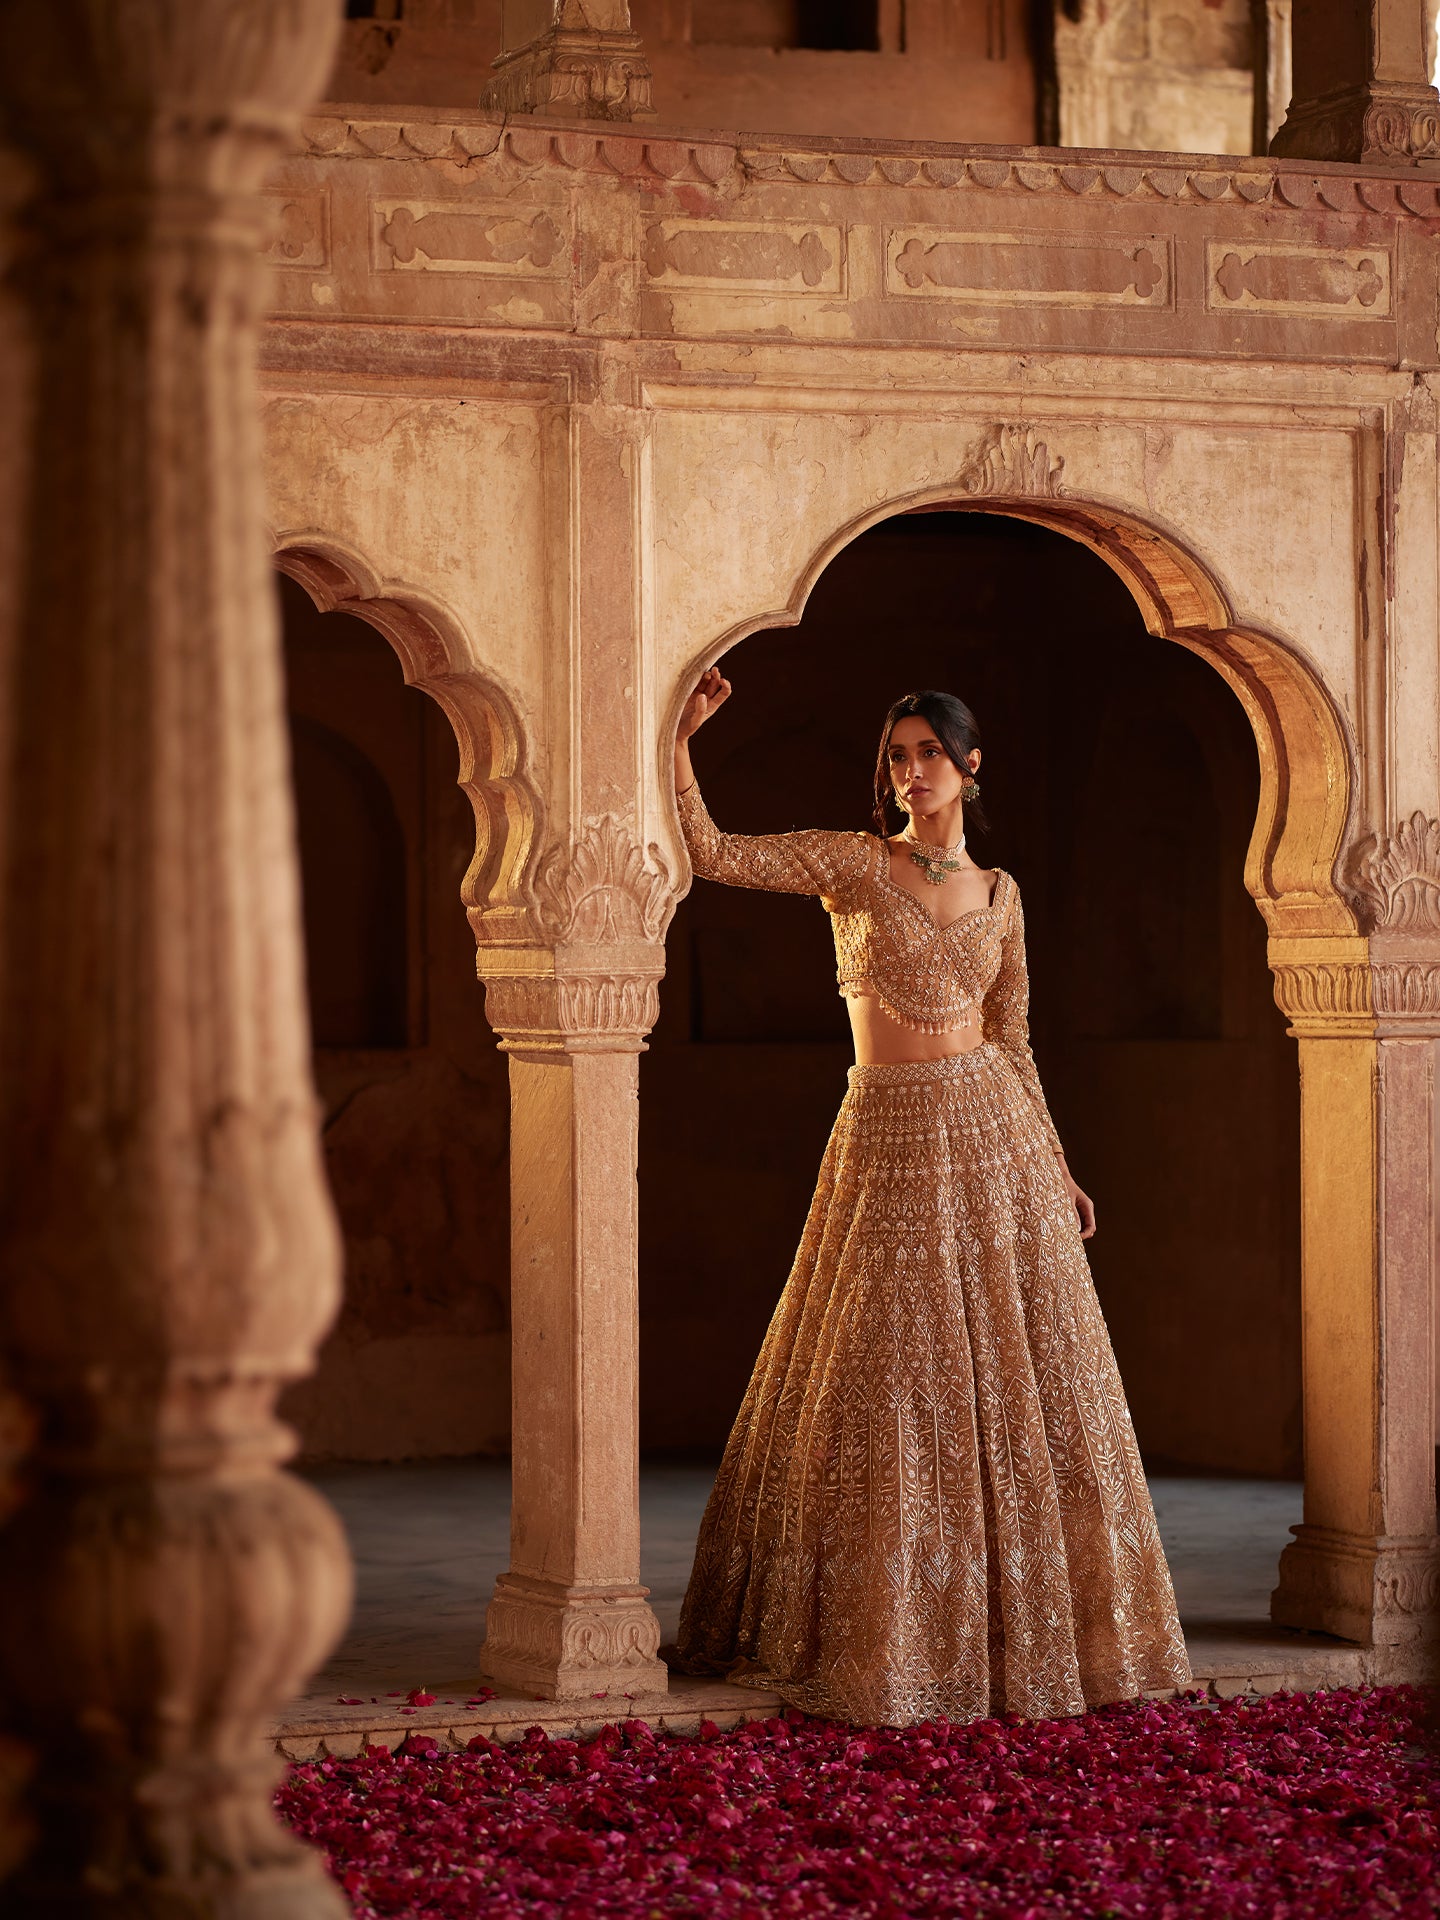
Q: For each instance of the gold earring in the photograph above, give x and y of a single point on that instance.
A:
(970, 787)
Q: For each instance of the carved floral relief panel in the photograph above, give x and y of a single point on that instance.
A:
(419, 236)
(731, 256)
(299, 229)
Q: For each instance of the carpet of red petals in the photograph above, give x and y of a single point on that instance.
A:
(1287, 1808)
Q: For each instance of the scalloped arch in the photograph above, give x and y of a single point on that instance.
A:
(1307, 758)
(429, 641)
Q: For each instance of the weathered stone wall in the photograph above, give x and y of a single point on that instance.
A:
(1167, 75)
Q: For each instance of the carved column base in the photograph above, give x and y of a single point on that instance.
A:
(569, 1642)
(1381, 121)
(573, 75)
(1377, 1592)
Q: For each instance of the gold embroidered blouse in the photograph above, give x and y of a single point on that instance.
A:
(924, 976)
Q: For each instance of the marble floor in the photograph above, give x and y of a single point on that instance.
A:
(429, 1539)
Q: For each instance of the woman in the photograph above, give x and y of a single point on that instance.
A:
(932, 1504)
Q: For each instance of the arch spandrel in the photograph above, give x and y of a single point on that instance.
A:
(1270, 516)
(457, 495)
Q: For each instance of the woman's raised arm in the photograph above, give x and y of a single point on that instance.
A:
(711, 692)
(827, 864)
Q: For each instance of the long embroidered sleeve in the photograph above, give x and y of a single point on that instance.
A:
(815, 861)
(1005, 1013)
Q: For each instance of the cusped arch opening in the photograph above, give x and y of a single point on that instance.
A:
(1305, 812)
(411, 799)
(1169, 1060)
(435, 658)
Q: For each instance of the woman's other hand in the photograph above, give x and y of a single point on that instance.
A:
(1084, 1206)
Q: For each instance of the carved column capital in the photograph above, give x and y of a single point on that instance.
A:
(573, 74)
(548, 1002)
(194, 94)
(1386, 979)
(590, 984)
(1324, 986)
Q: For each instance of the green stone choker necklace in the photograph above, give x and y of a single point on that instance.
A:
(937, 863)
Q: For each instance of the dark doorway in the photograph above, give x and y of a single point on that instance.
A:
(415, 1100)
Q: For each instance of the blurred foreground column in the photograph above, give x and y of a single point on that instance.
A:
(169, 1254)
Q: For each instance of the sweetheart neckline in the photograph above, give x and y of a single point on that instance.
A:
(937, 926)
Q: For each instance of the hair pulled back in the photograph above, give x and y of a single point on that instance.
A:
(953, 725)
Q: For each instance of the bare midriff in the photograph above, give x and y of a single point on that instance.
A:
(882, 1041)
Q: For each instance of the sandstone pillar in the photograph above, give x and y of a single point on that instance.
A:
(169, 1257)
(1366, 1011)
(570, 1616)
(572, 1000)
(570, 62)
(1362, 88)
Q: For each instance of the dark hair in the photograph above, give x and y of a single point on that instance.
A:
(953, 725)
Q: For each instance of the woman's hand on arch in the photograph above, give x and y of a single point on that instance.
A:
(712, 690)
(1084, 1206)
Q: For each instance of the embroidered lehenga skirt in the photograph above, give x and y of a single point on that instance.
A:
(932, 1504)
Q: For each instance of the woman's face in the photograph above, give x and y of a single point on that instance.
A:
(924, 776)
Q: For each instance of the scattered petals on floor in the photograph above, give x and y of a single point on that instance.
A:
(1288, 1808)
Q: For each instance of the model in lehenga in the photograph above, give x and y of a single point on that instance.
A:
(932, 1503)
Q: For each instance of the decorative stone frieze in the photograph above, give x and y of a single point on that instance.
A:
(531, 145)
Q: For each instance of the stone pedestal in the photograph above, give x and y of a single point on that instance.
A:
(570, 63)
(169, 1255)
(1365, 1563)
